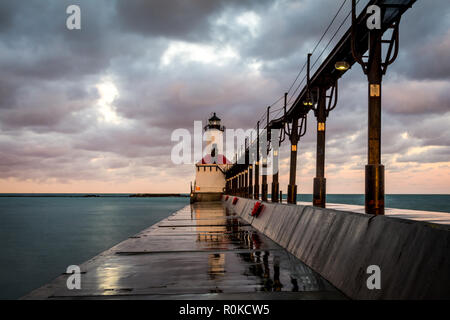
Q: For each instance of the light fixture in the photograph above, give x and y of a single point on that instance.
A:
(307, 103)
(342, 65)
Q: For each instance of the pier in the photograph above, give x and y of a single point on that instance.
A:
(204, 251)
(218, 251)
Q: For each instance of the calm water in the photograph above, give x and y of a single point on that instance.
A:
(425, 202)
(41, 236)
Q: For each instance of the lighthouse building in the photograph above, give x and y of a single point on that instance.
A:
(210, 179)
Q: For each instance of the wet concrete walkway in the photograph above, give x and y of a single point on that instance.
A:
(200, 252)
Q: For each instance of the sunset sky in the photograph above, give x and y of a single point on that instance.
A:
(92, 110)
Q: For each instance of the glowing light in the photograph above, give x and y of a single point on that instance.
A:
(342, 65)
(320, 126)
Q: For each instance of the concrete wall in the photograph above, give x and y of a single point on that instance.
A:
(206, 197)
(414, 257)
(209, 178)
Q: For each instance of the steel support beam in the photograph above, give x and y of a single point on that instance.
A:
(264, 186)
(275, 183)
(256, 192)
(319, 194)
(242, 192)
(246, 183)
(374, 200)
(292, 187)
(247, 169)
(241, 183)
(250, 181)
(241, 189)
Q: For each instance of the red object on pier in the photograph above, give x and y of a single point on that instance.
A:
(226, 198)
(235, 200)
(257, 208)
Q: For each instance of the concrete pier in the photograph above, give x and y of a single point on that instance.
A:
(204, 251)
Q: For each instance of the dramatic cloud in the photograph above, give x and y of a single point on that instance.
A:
(93, 110)
(177, 19)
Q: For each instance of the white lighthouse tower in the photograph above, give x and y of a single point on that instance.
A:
(210, 179)
(214, 135)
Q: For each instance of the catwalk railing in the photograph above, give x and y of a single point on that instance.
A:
(364, 43)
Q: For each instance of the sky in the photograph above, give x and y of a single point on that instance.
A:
(93, 110)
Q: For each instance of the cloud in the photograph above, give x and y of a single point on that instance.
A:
(427, 155)
(417, 97)
(178, 19)
(425, 42)
(100, 104)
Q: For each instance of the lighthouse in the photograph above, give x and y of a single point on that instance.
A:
(210, 179)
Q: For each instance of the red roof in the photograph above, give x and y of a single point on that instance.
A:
(221, 159)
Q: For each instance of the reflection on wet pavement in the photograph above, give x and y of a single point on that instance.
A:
(201, 252)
